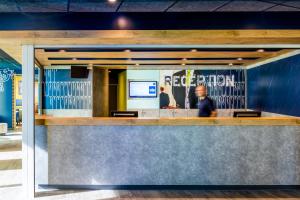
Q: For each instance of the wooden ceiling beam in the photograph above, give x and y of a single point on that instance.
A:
(132, 62)
(159, 37)
(181, 54)
(14, 39)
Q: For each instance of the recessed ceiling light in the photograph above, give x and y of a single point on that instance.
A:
(74, 58)
(127, 50)
(123, 23)
(240, 59)
(184, 59)
(62, 50)
(182, 63)
(230, 64)
(112, 1)
(193, 50)
(260, 50)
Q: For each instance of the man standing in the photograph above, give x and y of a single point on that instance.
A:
(164, 99)
(205, 104)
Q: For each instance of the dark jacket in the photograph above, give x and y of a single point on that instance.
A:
(164, 100)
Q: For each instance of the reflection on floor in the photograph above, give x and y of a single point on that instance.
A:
(10, 184)
(10, 166)
(174, 194)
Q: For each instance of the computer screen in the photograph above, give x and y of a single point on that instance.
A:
(142, 89)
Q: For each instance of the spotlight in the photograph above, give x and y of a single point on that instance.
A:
(112, 1)
(123, 23)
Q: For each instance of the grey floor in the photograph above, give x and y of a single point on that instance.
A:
(10, 184)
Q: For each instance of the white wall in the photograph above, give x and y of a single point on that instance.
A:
(142, 103)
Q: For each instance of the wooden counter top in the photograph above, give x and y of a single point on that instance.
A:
(194, 121)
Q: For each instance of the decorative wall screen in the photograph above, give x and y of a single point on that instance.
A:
(226, 87)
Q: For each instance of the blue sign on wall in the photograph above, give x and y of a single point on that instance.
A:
(152, 89)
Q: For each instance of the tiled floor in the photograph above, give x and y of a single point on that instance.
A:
(10, 184)
(10, 166)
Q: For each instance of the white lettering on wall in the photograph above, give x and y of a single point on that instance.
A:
(210, 80)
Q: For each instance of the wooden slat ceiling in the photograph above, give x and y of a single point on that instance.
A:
(11, 41)
(217, 57)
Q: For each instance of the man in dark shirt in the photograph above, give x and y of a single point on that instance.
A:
(164, 99)
(205, 104)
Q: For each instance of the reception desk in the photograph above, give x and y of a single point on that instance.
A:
(124, 152)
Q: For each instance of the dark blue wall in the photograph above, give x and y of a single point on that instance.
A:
(274, 87)
(6, 112)
(6, 104)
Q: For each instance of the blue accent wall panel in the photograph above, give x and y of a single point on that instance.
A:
(63, 92)
(274, 87)
(6, 104)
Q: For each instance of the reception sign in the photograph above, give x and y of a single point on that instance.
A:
(225, 87)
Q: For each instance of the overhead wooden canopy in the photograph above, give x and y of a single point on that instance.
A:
(11, 41)
(240, 57)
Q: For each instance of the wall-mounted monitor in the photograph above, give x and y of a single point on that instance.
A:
(79, 72)
(142, 89)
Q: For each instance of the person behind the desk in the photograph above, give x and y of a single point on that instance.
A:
(205, 104)
(164, 99)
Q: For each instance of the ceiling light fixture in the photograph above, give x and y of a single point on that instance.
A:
(182, 63)
(193, 50)
(260, 50)
(112, 1)
(184, 59)
(240, 59)
(137, 64)
(74, 58)
(123, 23)
(62, 51)
(230, 64)
(127, 50)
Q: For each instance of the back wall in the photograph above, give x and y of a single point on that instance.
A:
(274, 87)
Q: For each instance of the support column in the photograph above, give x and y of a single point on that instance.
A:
(28, 121)
(40, 95)
(100, 92)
